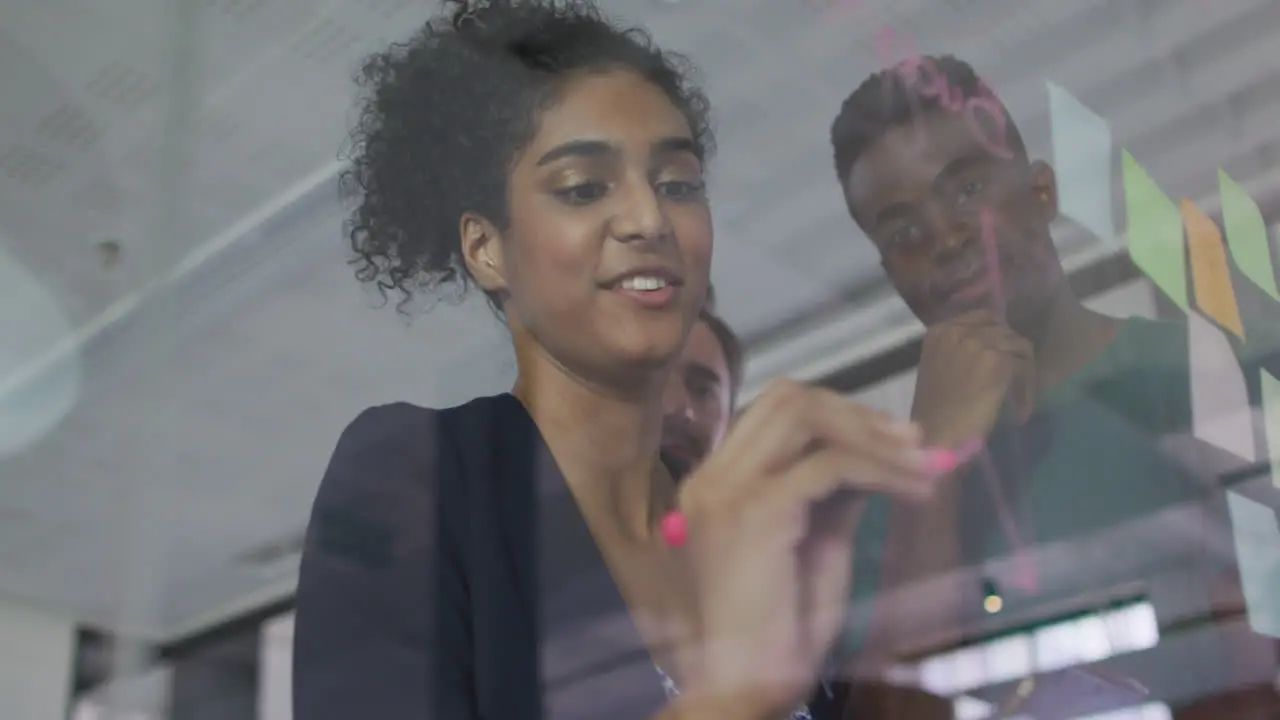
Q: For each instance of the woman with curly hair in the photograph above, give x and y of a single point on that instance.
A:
(555, 161)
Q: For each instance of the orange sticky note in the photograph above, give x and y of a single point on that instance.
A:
(1210, 274)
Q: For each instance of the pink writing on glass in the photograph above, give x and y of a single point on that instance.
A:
(992, 256)
(1025, 576)
(983, 112)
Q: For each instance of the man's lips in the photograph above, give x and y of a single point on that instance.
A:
(684, 449)
(968, 281)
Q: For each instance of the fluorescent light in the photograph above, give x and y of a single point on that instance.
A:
(1132, 628)
(967, 707)
(1008, 658)
(1056, 647)
(1077, 641)
(1150, 711)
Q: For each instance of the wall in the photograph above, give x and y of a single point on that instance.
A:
(36, 651)
(275, 679)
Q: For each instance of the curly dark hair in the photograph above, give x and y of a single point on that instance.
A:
(884, 100)
(445, 114)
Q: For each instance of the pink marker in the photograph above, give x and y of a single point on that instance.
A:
(992, 252)
(675, 529)
(1025, 575)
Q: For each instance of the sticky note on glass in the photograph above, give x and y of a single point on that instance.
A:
(1220, 410)
(1271, 422)
(1155, 232)
(1082, 158)
(1210, 273)
(1257, 541)
(1247, 235)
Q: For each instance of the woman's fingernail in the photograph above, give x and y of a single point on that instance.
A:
(675, 528)
(940, 461)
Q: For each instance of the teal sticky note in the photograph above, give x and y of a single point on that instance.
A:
(1247, 235)
(1082, 159)
(1155, 232)
(1271, 422)
(1257, 541)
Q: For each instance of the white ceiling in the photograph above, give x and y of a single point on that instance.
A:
(207, 373)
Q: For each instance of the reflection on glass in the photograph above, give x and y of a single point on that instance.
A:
(1092, 641)
(40, 373)
(1132, 628)
(1009, 658)
(971, 708)
(1056, 647)
(1080, 640)
(1150, 711)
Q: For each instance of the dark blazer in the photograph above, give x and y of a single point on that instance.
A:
(416, 597)
(424, 591)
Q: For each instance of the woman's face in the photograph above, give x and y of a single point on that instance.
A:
(605, 261)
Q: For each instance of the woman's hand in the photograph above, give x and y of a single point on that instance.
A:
(771, 520)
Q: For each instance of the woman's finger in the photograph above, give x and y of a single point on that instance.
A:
(855, 429)
(792, 422)
(826, 472)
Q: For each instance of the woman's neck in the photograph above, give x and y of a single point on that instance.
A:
(604, 441)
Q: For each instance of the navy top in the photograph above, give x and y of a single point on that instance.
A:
(447, 573)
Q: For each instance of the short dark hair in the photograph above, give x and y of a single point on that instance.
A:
(445, 113)
(884, 100)
(730, 345)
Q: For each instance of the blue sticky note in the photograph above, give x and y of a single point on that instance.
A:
(1082, 158)
(1257, 541)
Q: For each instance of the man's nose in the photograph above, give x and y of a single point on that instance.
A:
(950, 235)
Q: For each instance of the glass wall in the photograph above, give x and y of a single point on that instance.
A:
(183, 339)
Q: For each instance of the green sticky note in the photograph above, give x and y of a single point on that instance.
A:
(1271, 422)
(1155, 232)
(1247, 235)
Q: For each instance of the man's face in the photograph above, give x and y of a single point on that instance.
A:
(696, 402)
(957, 227)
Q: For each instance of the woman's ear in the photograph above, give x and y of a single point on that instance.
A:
(1044, 186)
(482, 252)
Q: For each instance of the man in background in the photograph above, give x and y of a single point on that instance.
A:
(701, 392)
(1075, 407)
(698, 404)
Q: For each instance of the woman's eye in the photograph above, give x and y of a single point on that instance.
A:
(583, 193)
(682, 189)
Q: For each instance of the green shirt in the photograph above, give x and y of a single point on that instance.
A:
(1092, 458)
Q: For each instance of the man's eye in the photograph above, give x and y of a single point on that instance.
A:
(905, 235)
(968, 191)
(682, 189)
(702, 391)
(583, 193)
